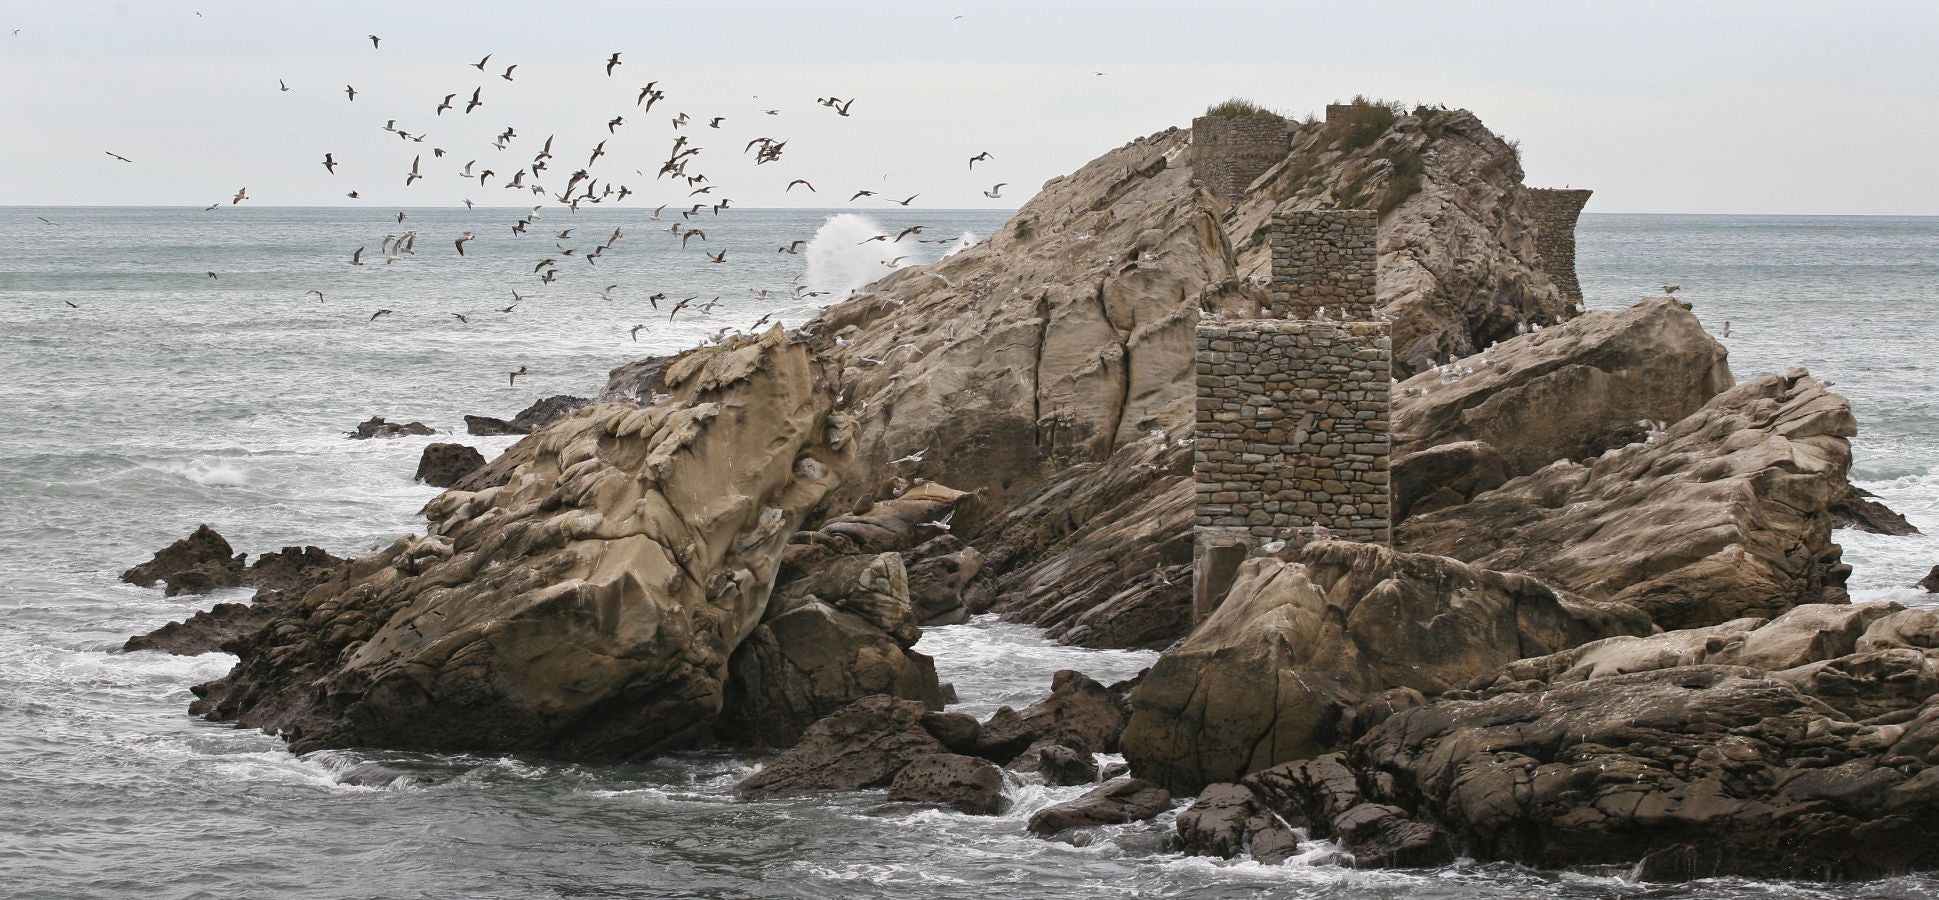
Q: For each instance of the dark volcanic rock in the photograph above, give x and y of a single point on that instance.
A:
(1861, 509)
(442, 465)
(201, 562)
(486, 426)
(544, 412)
(1226, 821)
(1079, 713)
(376, 427)
(291, 570)
(1111, 803)
(865, 744)
(277, 576)
(957, 731)
(206, 631)
(963, 783)
(1931, 581)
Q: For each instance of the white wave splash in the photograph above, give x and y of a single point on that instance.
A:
(841, 258)
(211, 472)
(967, 240)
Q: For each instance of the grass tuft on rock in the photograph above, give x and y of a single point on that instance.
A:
(1238, 107)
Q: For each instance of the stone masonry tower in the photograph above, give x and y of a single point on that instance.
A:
(1228, 152)
(1291, 435)
(1555, 211)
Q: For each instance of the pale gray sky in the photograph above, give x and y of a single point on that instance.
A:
(1744, 107)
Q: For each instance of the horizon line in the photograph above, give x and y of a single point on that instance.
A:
(976, 209)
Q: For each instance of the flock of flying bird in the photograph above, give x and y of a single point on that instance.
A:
(582, 186)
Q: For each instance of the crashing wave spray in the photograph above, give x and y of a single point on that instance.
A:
(966, 241)
(841, 258)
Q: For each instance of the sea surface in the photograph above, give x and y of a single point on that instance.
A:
(163, 398)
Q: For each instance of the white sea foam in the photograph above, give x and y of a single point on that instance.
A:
(211, 472)
(966, 241)
(842, 259)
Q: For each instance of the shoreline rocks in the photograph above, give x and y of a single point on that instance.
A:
(443, 465)
(196, 564)
(278, 577)
(376, 427)
(1861, 509)
(1114, 802)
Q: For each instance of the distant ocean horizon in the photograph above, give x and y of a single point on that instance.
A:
(143, 397)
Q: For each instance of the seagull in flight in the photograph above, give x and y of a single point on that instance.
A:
(381, 312)
(461, 242)
(117, 156)
(514, 376)
(995, 192)
(980, 157)
(373, 41)
(610, 63)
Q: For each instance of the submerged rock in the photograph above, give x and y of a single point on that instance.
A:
(196, 564)
(1282, 667)
(376, 427)
(1111, 803)
(864, 744)
(442, 465)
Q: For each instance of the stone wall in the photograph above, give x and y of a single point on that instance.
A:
(1554, 212)
(1338, 111)
(1323, 264)
(1292, 430)
(1228, 152)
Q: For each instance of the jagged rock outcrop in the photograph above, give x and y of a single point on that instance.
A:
(1226, 821)
(443, 465)
(196, 564)
(1931, 581)
(1278, 672)
(1079, 713)
(1806, 746)
(532, 418)
(963, 783)
(488, 426)
(1459, 265)
(278, 577)
(586, 605)
(1724, 514)
(376, 427)
(1568, 392)
(1861, 509)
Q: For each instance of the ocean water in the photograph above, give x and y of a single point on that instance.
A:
(164, 398)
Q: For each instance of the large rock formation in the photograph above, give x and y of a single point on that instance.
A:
(279, 577)
(587, 604)
(1569, 392)
(196, 564)
(1724, 514)
(1459, 264)
(1278, 672)
(1806, 746)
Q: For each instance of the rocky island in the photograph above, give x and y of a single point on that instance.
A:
(1442, 563)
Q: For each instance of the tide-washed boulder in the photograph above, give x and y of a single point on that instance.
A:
(486, 426)
(862, 745)
(1062, 765)
(1931, 581)
(1227, 821)
(830, 639)
(589, 604)
(548, 410)
(1111, 803)
(963, 783)
(377, 427)
(442, 465)
(1724, 514)
(1079, 713)
(1802, 747)
(1278, 670)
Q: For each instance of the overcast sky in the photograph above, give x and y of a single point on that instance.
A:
(1729, 107)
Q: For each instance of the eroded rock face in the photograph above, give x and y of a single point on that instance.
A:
(279, 577)
(1279, 670)
(442, 465)
(376, 427)
(586, 605)
(548, 410)
(1806, 746)
(1567, 392)
(201, 562)
(1227, 821)
(1459, 265)
(1724, 515)
(1931, 581)
(1079, 713)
